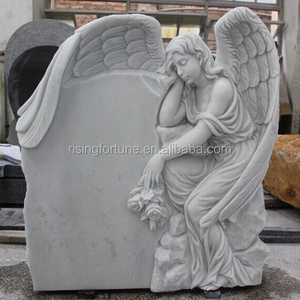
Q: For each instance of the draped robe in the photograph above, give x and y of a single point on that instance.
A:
(223, 254)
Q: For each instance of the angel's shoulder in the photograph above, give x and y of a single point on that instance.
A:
(223, 88)
(221, 96)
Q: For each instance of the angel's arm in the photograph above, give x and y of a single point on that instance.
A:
(222, 94)
(172, 111)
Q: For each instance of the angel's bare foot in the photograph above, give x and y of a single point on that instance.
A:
(212, 294)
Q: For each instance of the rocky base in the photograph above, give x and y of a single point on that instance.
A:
(172, 258)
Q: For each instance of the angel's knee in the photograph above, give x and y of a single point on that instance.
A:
(193, 211)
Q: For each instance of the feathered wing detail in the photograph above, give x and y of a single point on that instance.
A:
(247, 51)
(111, 43)
(119, 43)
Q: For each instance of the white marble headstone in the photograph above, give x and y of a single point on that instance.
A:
(117, 197)
(80, 234)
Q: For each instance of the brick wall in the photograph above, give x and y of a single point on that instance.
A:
(88, 5)
(119, 6)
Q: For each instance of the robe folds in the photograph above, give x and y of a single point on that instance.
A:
(227, 253)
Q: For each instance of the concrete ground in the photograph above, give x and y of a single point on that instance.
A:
(281, 278)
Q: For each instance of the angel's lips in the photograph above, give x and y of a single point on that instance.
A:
(185, 78)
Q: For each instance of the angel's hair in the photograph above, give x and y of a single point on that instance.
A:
(191, 43)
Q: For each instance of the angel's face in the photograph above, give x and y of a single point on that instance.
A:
(187, 67)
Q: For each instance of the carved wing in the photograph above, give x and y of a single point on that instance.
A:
(246, 49)
(107, 44)
(118, 43)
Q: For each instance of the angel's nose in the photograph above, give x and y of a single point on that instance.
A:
(179, 72)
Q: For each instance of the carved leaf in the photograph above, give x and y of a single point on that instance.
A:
(152, 225)
(143, 215)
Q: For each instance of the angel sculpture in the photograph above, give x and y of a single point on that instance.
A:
(228, 109)
(77, 224)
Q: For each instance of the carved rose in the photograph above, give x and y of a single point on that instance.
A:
(135, 204)
(154, 211)
(150, 203)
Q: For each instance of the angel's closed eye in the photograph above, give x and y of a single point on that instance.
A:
(182, 62)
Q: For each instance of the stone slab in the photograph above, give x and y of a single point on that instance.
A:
(28, 54)
(12, 191)
(36, 33)
(11, 219)
(81, 226)
(10, 171)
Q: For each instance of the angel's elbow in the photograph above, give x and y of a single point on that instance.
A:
(165, 121)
